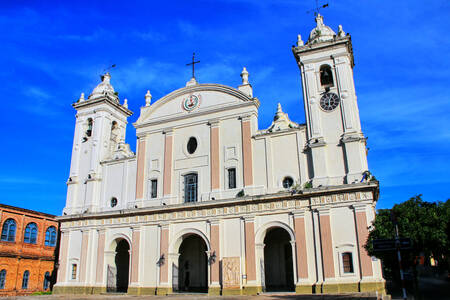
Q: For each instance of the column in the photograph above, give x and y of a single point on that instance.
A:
(140, 176)
(215, 159)
(300, 237)
(136, 239)
(327, 249)
(362, 233)
(215, 252)
(100, 256)
(247, 152)
(250, 261)
(63, 257)
(167, 176)
(163, 288)
(83, 256)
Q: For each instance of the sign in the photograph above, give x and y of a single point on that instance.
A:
(391, 244)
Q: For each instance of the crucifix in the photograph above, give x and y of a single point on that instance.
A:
(193, 64)
(317, 9)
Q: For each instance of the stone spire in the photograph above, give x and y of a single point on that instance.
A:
(281, 121)
(245, 87)
(148, 98)
(81, 98)
(125, 103)
(341, 33)
(321, 33)
(300, 41)
(104, 88)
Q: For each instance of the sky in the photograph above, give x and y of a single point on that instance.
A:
(51, 51)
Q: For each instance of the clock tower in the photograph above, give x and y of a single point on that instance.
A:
(335, 141)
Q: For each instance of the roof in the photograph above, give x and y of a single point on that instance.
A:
(29, 211)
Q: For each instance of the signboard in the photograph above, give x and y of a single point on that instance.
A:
(391, 244)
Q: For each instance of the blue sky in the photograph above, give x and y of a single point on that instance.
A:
(50, 52)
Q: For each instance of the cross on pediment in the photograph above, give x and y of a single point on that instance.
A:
(193, 64)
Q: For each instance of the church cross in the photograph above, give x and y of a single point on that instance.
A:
(317, 9)
(193, 64)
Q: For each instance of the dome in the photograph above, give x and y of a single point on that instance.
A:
(104, 88)
(321, 33)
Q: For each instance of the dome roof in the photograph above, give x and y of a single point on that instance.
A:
(321, 33)
(104, 88)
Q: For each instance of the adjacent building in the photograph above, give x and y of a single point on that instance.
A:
(28, 247)
(211, 202)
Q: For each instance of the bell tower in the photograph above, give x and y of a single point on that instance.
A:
(99, 133)
(335, 143)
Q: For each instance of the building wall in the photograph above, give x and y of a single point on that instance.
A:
(17, 257)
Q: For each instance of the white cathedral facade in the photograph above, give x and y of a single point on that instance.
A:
(210, 202)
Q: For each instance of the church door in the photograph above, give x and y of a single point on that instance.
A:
(278, 269)
(122, 260)
(193, 265)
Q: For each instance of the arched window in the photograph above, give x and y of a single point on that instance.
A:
(326, 76)
(46, 280)
(30, 236)
(2, 279)
(50, 236)
(89, 127)
(25, 278)
(190, 187)
(9, 231)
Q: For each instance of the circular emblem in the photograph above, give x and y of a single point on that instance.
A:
(329, 101)
(190, 103)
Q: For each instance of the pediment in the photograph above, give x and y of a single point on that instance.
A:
(195, 99)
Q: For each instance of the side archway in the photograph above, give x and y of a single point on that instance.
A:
(118, 258)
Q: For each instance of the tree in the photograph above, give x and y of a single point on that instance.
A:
(426, 224)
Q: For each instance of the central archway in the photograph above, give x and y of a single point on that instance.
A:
(193, 265)
(122, 261)
(278, 265)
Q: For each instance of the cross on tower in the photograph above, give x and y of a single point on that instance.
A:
(317, 9)
(193, 64)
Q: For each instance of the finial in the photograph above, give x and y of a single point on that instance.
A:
(148, 98)
(106, 78)
(244, 76)
(125, 103)
(279, 110)
(341, 32)
(299, 41)
(319, 20)
(81, 98)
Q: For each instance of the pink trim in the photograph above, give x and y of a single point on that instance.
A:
(250, 250)
(247, 153)
(302, 260)
(215, 247)
(100, 256)
(363, 233)
(164, 270)
(63, 255)
(135, 256)
(215, 168)
(327, 247)
(167, 188)
(140, 169)
(83, 258)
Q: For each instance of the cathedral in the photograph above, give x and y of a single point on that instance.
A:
(211, 203)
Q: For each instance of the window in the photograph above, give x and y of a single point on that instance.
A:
(347, 262)
(9, 231)
(190, 188)
(25, 278)
(192, 145)
(74, 271)
(232, 178)
(2, 279)
(30, 236)
(326, 76)
(50, 236)
(288, 182)
(154, 192)
(46, 280)
(113, 201)
(89, 128)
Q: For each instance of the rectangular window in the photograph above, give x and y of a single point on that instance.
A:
(232, 178)
(190, 188)
(74, 271)
(154, 193)
(347, 262)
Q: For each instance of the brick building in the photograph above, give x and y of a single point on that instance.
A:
(28, 246)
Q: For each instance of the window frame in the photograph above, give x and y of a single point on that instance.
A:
(154, 184)
(3, 273)
(321, 69)
(25, 279)
(9, 234)
(186, 197)
(74, 271)
(46, 284)
(348, 254)
(50, 236)
(30, 235)
(229, 171)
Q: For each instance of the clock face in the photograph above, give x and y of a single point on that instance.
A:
(329, 101)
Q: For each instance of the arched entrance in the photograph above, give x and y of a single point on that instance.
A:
(193, 265)
(278, 265)
(119, 268)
